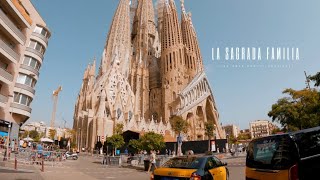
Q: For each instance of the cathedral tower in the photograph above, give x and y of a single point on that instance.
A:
(193, 59)
(144, 71)
(118, 40)
(172, 59)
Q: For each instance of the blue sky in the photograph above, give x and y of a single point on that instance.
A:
(79, 30)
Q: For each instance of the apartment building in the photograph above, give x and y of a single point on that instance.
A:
(23, 42)
(231, 130)
(261, 128)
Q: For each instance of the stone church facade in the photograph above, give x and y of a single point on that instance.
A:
(151, 69)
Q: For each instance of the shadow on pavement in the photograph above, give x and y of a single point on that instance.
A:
(13, 171)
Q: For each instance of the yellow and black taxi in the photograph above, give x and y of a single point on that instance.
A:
(288, 156)
(207, 167)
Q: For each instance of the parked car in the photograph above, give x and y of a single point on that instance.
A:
(207, 167)
(291, 156)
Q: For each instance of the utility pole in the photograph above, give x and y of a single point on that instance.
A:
(55, 95)
(307, 80)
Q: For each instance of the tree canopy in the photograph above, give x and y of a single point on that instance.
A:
(209, 129)
(118, 129)
(52, 133)
(300, 110)
(149, 141)
(316, 79)
(178, 124)
(116, 141)
(33, 134)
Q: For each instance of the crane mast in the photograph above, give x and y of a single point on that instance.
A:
(55, 95)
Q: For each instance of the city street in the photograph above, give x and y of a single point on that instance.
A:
(88, 167)
(236, 166)
(91, 168)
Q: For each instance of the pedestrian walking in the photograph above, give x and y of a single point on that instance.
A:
(152, 165)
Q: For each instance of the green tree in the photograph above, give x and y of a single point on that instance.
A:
(24, 134)
(316, 78)
(233, 140)
(52, 133)
(300, 110)
(119, 128)
(116, 141)
(136, 144)
(209, 128)
(33, 134)
(179, 125)
(152, 141)
(244, 136)
(276, 131)
(149, 141)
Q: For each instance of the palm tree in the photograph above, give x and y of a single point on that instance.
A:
(179, 125)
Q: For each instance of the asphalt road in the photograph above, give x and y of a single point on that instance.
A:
(236, 168)
(90, 168)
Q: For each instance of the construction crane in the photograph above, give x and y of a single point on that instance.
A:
(55, 95)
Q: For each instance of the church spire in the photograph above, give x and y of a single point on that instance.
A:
(172, 59)
(118, 38)
(190, 40)
(144, 35)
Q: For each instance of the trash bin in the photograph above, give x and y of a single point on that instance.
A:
(146, 164)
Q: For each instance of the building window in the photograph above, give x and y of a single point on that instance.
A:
(26, 79)
(42, 31)
(22, 99)
(37, 46)
(32, 62)
(3, 65)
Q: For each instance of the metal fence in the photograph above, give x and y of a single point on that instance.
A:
(29, 156)
(139, 160)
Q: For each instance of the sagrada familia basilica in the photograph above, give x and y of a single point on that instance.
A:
(151, 69)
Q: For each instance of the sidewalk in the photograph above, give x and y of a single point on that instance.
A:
(8, 172)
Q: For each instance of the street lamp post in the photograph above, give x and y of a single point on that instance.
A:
(79, 143)
(8, 142)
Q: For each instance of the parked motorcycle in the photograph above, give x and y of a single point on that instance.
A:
(71, 155)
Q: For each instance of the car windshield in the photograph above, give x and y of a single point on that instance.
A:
(274, 152)
(185, 162)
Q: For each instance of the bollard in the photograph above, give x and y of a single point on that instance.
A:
(15, 163)
(42, 165)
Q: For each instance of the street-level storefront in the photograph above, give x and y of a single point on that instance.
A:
(4, 129)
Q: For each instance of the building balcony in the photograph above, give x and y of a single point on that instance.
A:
(35, 52)
(11, 28)
(25, 87)
(31, 69)
(3, 99)
(23, 12)
(40, 36)
(5, 76)
(8, 52)
(20, 109)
